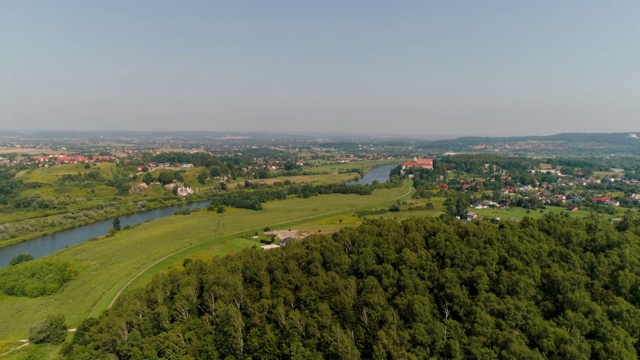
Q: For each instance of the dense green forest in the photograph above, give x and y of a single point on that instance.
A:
(423, 288)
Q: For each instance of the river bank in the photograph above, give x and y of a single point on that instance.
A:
(32, 228)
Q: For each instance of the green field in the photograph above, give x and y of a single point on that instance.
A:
(347, 167)
(519, 213)
(108, 264)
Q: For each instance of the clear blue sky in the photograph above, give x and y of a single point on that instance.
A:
(403, 67)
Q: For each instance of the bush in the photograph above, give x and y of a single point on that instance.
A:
(52, 330)
(36, 278)
(20, 258)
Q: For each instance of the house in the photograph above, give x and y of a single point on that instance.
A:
(572, 207)
(423, 163)
(613, 203)
(269, 247)
(488, 203)
(576, 198)
(471, 216)
(287, 240)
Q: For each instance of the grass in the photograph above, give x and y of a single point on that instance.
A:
(34, 351)
(108, 264)
(314, 179)
(51, 174)
(30, 151)
(519, 213)
(6, 346)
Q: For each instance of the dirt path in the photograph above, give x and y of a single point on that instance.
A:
(240, 232)
(26, 343)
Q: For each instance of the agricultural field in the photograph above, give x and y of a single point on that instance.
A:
(313, 179)
(29, 151)
(331, 168)
(108, 265)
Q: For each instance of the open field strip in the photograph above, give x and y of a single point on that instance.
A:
(29, 151)
(108, 264)
(347, 167)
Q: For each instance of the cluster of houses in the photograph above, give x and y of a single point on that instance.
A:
(60, 159)
(271, 164)
(548, 198)
(155, 165)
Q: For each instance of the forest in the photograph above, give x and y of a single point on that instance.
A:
(557, 287)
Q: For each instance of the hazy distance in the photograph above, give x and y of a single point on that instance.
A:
(495, 68)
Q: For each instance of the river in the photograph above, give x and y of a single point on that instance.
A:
(380, 173)
(45, 245)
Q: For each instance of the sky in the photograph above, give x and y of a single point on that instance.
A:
(428, 68)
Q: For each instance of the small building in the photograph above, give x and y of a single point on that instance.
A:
(471, 216)
(572, 207)
(269, 247)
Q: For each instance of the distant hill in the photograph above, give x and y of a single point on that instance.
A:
(618, 141)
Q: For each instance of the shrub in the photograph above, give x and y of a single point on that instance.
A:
(52, 330)
(36, 278)
(20, 258)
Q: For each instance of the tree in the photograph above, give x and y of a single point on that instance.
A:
(20, 258)
(52, 330)
(202, 178)
(148, 178)
(165, 177)
(116, 224)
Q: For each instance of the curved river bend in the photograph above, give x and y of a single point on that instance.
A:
(380, 173)
(45, 245)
